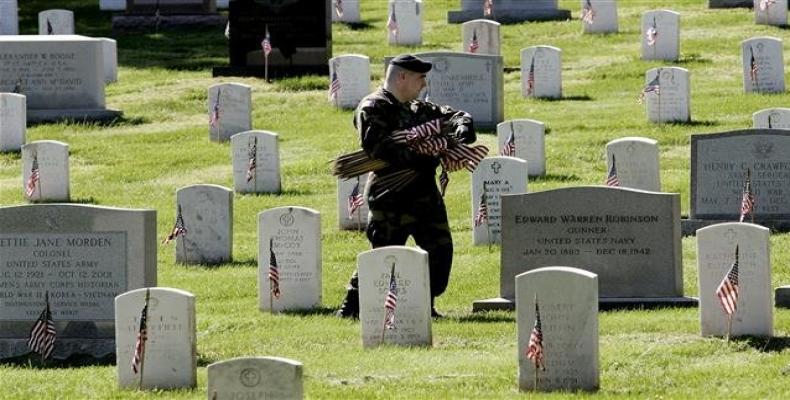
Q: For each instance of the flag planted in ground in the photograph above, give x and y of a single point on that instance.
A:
(535, 346)
(611, 177)
(34, 178)
(274, 272)
(747, 198)
(391, 301)
(179, 228)
(728, 289)
(142, 337)
(42, 335)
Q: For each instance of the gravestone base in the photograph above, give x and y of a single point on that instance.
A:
(94, 349)
(145, 23)
(509, 16)
(689, 226)
(97, 114)
(782, 297)
(604, 303)
(730, 3)
(279, 71)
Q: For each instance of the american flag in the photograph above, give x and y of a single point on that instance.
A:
(728, 289)
(391, 301)
(531, 77)
(444, 180)
(213, 119)
(588, 14)
(179, 229)
(488, 8)
(764, 4)
(652, 33)
(653, 87)
(142, 336)
(33, 179)
(392, 21)
(509, 149)
(753, 68)
(747, 199)
(474, 45)
(266, 44)
(339, 8)
(481, 215)
(50, 30)
(611, 178)
(334, 86)
(355, 200)
(274, 271)
(42, 335)
(251, 160)
(535, 346)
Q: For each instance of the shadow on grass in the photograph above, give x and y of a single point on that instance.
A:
(33, 360)
(765, 345)
(120, 121)
(692, 123)
(693, 59)
(88, 200)
(320, 311)
(250, 262)
(554, 177)
(358, 26)
(285, 192)
(204, 360)
(486, 316)
(582, 97)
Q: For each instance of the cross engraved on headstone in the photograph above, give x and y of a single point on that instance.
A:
(496, 167)
(731, 235)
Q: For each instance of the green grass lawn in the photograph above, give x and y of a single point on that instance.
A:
(162, 144)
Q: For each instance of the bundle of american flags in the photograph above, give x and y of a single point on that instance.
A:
(747, 199)
(274, 272)
(266, 44)
(392, 21)
(588, 14)
(481, 215)
(179, 229)
(474, 45)
(653, 86)
(764, 4)
(509, 149)
(652, 34)
(391, 301)
(728, 289)
(535, 345)
(42, 335)
(251, 160)
(355, 200)
(531, 77)
(611, 178)
(213, 119)
(142, 336)
(33, 179)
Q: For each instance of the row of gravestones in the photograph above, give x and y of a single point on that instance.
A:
(196, 5)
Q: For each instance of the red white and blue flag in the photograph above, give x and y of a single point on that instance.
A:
(588, 14)
(652, 33)
(753, 68)
(531, 77)
(391, 301)
(339, 8)
(764, 4)
(33, 179)
(481, 215)
(213, 118)
(611, 178)
(142, 337)
(747, 199)
(509, 149)
(535, 345)
(728, 289)
(355, 200)
(488, 8)
(474, 45)
(266, 44)
(179, 229)
(653, 87)
(42, 335)
(334, 86)
(392, 21)
(252, 155)
(274, 271)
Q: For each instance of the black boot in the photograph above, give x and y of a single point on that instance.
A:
(350, 306)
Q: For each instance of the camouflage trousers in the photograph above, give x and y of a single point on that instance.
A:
(431, 232)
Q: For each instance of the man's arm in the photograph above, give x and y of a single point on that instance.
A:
(458, 124)
(375, 129)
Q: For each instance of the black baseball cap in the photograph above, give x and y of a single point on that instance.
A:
(412, 63)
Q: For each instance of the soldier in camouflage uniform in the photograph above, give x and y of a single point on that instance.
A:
(416, 209)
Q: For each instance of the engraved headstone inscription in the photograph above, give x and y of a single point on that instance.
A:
(207, 212)
(772, 118)
(481, 36)
(599, 16)
(508, 11)
(256, 162)
(671, 102)
(256, 378)
(349, 80)
(524, 139)
(772, 12)
(352, 207)
(45, 171)
(56, 22)
(229, 109)
(636, 160)
(763, 65)
(661, 35)
(491, 179)
(541, 72)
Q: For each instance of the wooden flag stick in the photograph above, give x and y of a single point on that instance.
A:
(536, 376)
(729, 327)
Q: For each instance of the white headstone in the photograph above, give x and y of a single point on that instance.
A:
(661, 35)
(353, 75)
(344, 11)
(772, 118)
(716, 246)
(541, 72)
(484, 34)
(295, 235)
(110, 51)
(524, 139)
(494, 177)
(207, 212)
(56, 22)
(599, 16)
(256, 162)
(408, 18)
(271, 378)
(348, 191)
(170, 357)
(412, 315)
(13, 121)
(52, 158)
(636, 161)
(9, 17)
(568, 302)
(672, 102)
(772, 12)
(229, 110)
(763, 65)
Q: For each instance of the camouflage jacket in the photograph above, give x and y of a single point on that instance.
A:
(379, 115)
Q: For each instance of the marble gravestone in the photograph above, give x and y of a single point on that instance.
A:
(295, 237)
(351, 215)
(672, 102)
(170, 358)
(62, 78)
(629, 238)
(637, 162)
(491, 179)
(110, 51)
(763, 65)
(13, 121)
(51, 159)
(661, 35)
(56, 22)
(770, 13)
(412, 315)
(599, 16)
(407, 15)
(353, 75)
(256, 162)
(484, 33)
(772, 118)
(83, 256)
(508, 11)
(470, 82)
(346, 11)
(524, 139)
(9, 17)
(207, 212)
(716, 246)
(567, 301)
(719, 167)
(256, 378)
(541, 72)
(229, 109)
